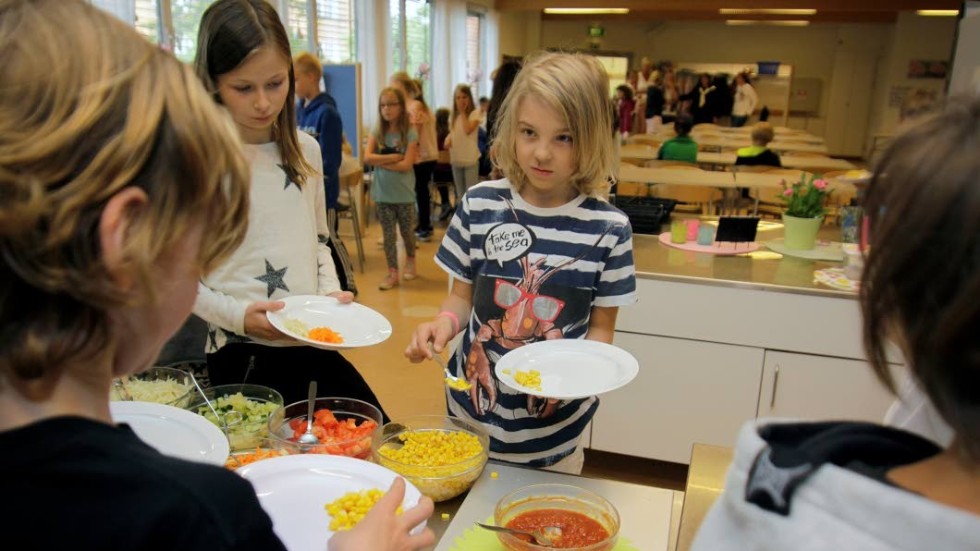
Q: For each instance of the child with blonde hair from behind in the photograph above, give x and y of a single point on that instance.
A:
(535, 256)
(392, 148)
(122, 183)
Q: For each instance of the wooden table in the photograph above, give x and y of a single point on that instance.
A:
(811, 164)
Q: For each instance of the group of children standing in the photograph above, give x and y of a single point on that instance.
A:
(134, 194)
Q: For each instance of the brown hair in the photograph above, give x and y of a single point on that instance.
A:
(230, 31)
(576, 87)
(121, 113)
(921, 278)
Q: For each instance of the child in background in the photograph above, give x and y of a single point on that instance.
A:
(757, 153)
(484, 111)
(317, 115)
(148, 184)
(424, 124)
(243, 58)
(554, 146)
(624, 108)
(680, 147)
(744, 101)
(392, 150)
(847, 485)
(464, 150)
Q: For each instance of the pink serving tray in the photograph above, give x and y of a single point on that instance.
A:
(724, 248)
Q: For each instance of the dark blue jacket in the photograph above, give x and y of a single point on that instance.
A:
(320, 119)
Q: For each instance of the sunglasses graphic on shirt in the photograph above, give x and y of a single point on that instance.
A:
(543, 308)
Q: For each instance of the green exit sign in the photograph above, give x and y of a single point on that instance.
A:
(595, 31)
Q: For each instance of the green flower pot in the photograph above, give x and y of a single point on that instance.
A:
(800, 233)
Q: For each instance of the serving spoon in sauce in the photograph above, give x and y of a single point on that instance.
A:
(547, 536)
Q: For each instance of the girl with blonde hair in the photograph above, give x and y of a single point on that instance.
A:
(535, 256)
(421, 118)
(464, 150)
(392, 150)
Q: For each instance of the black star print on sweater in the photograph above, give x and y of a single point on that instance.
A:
(289, 181)
(273, 279)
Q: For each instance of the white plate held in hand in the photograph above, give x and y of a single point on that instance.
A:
(173, 431)
(357, 324)
(570, 368)
(294, 490)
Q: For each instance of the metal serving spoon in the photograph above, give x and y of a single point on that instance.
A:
(547, 536)
(230, 418)
(308, 437)
(452, 381)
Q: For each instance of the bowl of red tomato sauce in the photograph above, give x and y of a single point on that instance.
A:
(588, 521)
(344, 426)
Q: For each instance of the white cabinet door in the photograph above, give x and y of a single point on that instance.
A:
(686, 392)
(820, 387)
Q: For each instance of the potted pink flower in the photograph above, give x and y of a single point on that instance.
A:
(805, 207)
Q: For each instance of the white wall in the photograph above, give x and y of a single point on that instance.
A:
(912, 37)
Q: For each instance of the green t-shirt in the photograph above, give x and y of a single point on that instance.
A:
(681, 148)
(389, 186)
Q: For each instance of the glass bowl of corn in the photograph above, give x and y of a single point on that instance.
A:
(441, 455)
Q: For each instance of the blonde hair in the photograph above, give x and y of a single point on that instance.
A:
(305, 62)
(412, 88)
(464, 88)
(87, 109)
(401, 123)
(574, 86)
(230, 31)
(762, 133)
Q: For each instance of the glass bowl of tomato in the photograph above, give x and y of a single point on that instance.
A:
(441, 455)
(344, 426)
(589, 522)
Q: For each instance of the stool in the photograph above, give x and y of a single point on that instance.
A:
(349, 212)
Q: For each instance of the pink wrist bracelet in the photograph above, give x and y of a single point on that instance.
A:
(452, 317)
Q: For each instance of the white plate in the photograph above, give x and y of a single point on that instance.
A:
(294, 490)
(356, 323)
(173, 431)
(570, 368)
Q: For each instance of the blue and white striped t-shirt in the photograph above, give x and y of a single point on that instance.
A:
(536, 274)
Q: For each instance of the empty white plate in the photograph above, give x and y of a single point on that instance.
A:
(173, 431)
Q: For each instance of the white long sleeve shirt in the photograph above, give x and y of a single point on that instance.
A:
(284, 252)
(745, 101)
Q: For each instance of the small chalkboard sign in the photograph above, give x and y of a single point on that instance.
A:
(737, 229)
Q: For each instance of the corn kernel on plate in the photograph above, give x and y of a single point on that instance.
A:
(566, 369)
(295, 491)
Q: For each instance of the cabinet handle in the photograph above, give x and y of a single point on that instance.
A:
(775, 383)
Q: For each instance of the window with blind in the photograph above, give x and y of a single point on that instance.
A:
(187, 18)
(142, 14)
(335, 30)
(474, 51)
(298, 26)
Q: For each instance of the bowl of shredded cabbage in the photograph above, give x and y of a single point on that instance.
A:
(161, 385)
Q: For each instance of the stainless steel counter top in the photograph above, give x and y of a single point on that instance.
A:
(763, 269)
(649, 516)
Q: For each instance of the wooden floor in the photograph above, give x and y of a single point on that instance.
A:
(407, 389)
